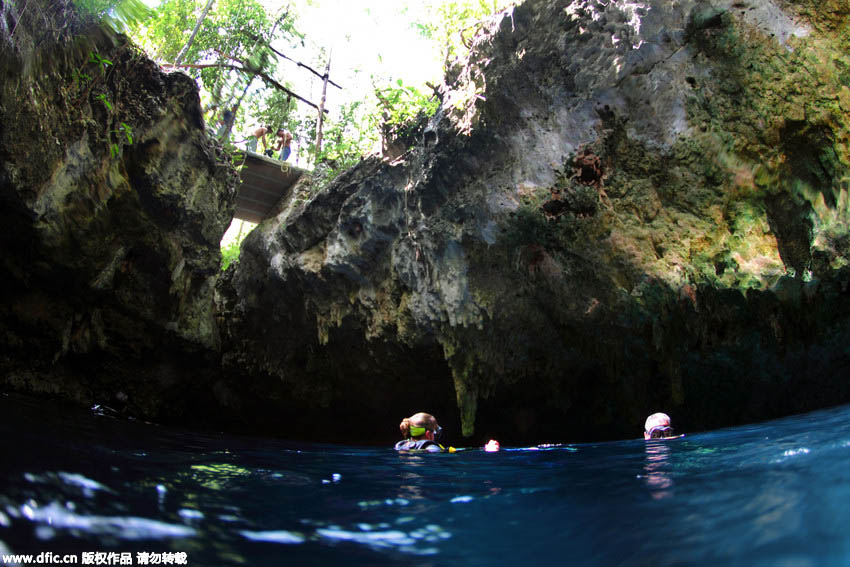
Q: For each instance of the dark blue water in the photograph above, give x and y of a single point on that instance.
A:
(776, 493)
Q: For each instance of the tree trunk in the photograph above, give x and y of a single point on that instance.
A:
(186, 47)
(322, 109)
(236, 106)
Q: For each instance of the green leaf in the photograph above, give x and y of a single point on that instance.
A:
(128, 132)
(102, 98)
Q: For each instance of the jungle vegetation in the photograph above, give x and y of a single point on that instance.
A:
(251, 60)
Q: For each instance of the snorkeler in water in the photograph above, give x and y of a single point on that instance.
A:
(420, 432)
(658, 426)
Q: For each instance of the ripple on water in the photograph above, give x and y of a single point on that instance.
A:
(386, 502)
(380, 536)
(190, 514)
(379, 540)
(289, 478)
(59, 517)
(88, 486)
(791, 453)
(274, 536)
(460, 499)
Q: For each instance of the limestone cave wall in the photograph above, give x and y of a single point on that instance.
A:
(114, 200)
(620, 208)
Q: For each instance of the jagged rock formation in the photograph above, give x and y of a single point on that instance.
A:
(114, 201)
(621, 207)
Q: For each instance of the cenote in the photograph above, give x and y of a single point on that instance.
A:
(766, 494)
(598, 210)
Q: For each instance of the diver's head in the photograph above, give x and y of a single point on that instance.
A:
(658, 426)
(420, 426)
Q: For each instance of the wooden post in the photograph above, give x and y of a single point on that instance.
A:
(322, 107)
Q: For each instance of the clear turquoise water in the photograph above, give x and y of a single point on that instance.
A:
(775, 493)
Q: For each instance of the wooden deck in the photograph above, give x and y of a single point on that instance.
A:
(264, 182)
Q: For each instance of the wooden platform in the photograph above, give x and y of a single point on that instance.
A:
(264, 182)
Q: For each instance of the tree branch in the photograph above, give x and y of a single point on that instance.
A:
(279, 54)
(254, 72)
(277, 22)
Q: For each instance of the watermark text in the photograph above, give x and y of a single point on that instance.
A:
(98, 558)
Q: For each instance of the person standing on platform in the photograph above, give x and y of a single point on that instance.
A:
(284, 141)
(256, 136)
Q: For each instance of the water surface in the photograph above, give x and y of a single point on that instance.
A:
(768, 494)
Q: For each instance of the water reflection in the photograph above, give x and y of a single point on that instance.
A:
(656, 470)
(218, 476)
(492, 489)
(412, 488)
(411, 492)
